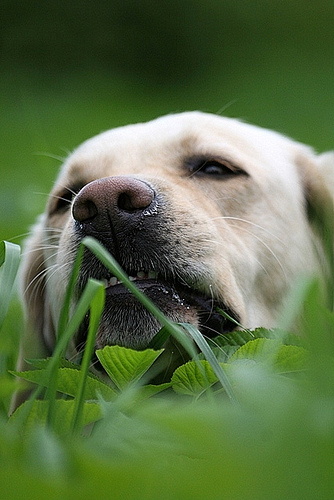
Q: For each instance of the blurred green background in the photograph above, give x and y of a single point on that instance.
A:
(72, 69)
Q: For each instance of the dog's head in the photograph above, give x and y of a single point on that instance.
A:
(202, 212)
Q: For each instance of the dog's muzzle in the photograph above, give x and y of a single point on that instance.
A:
(127, 215)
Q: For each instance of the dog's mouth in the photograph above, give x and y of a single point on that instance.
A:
(125, 321)
(171, 294)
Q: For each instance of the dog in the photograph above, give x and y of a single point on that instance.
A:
(202, 212)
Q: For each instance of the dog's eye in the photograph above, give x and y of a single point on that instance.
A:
(214, 168)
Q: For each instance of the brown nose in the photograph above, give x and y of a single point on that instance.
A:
(114, 198)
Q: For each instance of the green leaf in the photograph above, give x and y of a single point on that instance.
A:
(64, 410)
(147, 391)
(9, 264)
(290, 359)
(257, 350)
(43, 363)
(193, 378)
(67, 382)
(203, 345)
(222, 354)
(135, 394)
(241, 337)
(126, 366)
(283, 358)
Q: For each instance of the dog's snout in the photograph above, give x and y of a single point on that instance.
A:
(116, 196)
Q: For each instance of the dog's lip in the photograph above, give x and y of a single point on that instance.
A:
(149, 281)
(211, 321)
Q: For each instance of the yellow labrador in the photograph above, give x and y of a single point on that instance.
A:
(203, 212)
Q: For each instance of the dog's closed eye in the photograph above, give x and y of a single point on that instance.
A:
(215, 168)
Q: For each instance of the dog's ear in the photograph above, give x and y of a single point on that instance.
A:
(317, 174)
(325, 163)
(40, 334)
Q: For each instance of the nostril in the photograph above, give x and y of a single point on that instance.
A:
(136, 197)
(125, 203)
(84, 210)
(132, 202)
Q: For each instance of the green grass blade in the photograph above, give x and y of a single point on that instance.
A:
(92, 288)
(9, 264)
(96, 309)
(159, 339)
(64, 315)
(54, 363)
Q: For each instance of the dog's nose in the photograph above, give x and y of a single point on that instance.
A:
(112, 197)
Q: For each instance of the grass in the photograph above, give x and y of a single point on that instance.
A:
(185, 438)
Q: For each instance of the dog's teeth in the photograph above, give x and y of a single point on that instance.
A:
(113, 281)
(139, 276)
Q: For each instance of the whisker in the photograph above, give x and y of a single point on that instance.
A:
(269, 250)
(61, 159)
(57, 269)
(212, 299)
(61, 197)
(13, 239)
(39, 249)
(36, 281)
(252, 224)
(68, 189)
(227, 105)
(31, 233)
(40, 193)
(224, 258)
